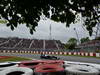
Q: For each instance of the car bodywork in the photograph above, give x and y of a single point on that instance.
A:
(48, 56)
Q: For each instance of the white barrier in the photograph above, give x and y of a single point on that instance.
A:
(12, 71)
(97, 54)
(79, 68)
(91, 54)
(6, 65)
(86, 54)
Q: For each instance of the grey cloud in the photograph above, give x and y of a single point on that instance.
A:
(58, 30)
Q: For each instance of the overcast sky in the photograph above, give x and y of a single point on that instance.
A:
(58, 31)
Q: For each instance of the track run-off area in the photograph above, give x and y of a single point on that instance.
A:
(65, 58)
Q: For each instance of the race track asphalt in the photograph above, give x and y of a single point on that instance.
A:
(66, 58)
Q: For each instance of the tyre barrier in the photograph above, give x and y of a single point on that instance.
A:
(97, 66)
(60, 62)
(71, 63)
(6, 65)
(17, 71)
(14, 62)
(30, 64)
(80, 70)
(77, 63)
(49, 69)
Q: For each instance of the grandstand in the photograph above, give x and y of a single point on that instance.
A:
(90, 46)
(30, 44)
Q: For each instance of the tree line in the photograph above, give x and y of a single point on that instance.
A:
(72, 42)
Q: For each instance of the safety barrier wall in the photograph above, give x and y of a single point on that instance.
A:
(53, 53)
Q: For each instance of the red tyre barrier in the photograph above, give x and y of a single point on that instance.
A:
(61, 62)
(31, 64)
(47, 68)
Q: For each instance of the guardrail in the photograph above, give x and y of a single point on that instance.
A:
(53, 53)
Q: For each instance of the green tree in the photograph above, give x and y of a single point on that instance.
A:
(64, 11)
(85, 39)
(70, 46)
(97, 38)
(72, 42)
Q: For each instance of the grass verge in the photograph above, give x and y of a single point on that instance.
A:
(14, 59)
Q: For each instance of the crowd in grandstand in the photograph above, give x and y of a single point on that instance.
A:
(30, 44)
(45, 45)
(93, 46)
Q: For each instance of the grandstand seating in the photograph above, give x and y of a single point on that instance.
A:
(50, 44)
(90, 46)
(29, 44)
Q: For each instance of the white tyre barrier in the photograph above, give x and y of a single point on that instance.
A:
(15, 62)
(97, 66)
(71, 63)
(77, 63)
(81, 70)
(6, 65)
(17, 71)
(78, 68)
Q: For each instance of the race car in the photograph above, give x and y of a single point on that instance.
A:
(48, 57)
